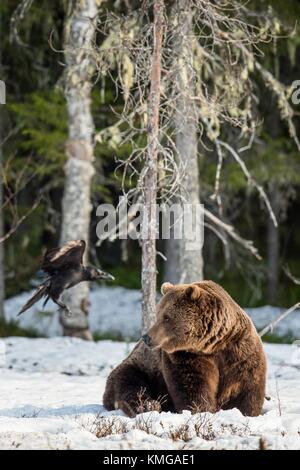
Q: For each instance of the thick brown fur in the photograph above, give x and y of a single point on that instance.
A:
(204, 355)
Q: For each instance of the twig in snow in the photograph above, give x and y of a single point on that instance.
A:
(278, 397)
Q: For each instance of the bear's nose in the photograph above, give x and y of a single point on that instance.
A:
(147, 340)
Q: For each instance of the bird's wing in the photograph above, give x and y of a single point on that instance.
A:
(68, 256)
(39, 293)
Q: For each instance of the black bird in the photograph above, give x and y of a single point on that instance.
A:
(65, 269)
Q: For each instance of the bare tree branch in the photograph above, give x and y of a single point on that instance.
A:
(230, 230)
(17, 16)
(20, 221)
(251, 180)
(288, 273)
(283, 315)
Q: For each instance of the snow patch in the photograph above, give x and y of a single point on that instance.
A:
(51, 398)
(116, 311)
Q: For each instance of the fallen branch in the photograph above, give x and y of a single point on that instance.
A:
(283, 315)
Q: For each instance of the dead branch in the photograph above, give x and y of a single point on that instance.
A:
(12, 188)
(130, 215)
(251, 180)
(223, 239)
(275, 322)
(216, 195)
(17, 16)
(290, 275)
(230, 230)
(20, 221)
(225, 41)
(149, 180)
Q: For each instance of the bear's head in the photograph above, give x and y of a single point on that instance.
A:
(191, 317)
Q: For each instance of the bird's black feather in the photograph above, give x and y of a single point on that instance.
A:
(39, 293)
(67, 257)
(65, 269)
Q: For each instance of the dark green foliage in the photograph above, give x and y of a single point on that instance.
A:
(272, 338)
(112, 337)
(127, 277)
(23, 252)
(42, 119)
(12, 329)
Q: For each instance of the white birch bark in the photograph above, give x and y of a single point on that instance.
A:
(172, 263)
(79, 169)
(190, 261)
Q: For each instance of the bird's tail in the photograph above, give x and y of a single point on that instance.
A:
(46, 300)
(39, 293)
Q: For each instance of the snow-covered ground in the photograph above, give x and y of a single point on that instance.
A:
(51, 398)
(51, 388)
(116, 311)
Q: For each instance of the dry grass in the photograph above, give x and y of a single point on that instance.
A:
(145, 404)
(203, 427)
(103, 426)
(145, 423)
(263, 444)
(182, 433)
(107, 427)
(199, 424)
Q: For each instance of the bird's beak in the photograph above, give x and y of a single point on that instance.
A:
(105, 276)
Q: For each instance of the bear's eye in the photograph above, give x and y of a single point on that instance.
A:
(166, 319)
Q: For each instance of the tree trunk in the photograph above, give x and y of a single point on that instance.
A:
(190, 267)
(273, 241)
(273, 249)
(79, 169)
(2, 272)
(149, 228)
(172, 263)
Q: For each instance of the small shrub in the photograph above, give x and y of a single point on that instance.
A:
(181, 433)
(146, 404)
(103, 426)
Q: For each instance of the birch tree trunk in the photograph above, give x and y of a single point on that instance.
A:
(79, 169)
(172, 263)
(149, 228)
(190, 262)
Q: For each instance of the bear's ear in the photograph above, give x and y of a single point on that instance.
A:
(193, 292)
(165, 287)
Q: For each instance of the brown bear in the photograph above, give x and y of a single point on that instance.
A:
(203, 353)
